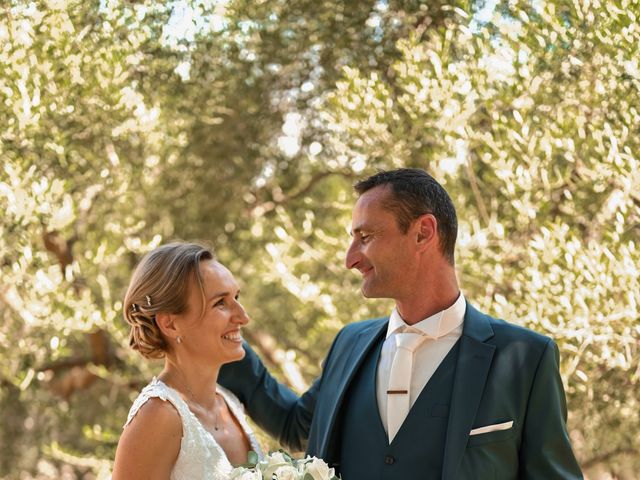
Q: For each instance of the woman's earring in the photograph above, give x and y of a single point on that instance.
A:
(179, 339)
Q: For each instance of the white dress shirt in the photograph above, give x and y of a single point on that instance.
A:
(443, 329)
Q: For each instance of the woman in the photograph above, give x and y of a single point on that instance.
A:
(183, 306)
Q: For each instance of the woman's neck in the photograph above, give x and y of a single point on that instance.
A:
(196, 382)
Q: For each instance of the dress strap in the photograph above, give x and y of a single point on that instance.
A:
(158, 389)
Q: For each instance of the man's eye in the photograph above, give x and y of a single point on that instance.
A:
(365, 238)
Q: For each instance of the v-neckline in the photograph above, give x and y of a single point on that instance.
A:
(201, 426)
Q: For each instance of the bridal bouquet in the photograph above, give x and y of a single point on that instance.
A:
(281, 466)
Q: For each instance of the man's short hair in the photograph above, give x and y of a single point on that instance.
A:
(414, 193)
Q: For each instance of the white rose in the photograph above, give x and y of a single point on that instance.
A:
(244, 474)
(319, 470)
(272, 463)
(277, 458)
(288, 472)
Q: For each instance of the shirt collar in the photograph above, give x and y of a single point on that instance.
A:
(435, 326)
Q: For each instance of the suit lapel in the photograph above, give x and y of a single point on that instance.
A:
(358, 350)
(472, 369)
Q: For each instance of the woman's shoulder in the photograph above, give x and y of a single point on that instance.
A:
(154, 423)
(158, 416)
(157, 402)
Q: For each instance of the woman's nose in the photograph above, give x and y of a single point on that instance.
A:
(240, 314)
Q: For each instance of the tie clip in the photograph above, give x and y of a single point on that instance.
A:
(397, 392)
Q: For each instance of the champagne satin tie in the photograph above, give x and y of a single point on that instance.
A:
(398, 393)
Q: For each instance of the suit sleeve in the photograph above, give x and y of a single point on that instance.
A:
(546, 451)
(273, 406)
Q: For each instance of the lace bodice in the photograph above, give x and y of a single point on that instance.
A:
(200, 457)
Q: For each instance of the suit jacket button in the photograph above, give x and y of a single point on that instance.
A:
(389, 460)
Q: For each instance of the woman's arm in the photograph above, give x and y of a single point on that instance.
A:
(150, 443)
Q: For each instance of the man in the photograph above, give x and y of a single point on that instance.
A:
(437, 390)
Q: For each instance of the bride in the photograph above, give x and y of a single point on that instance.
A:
(182, 305)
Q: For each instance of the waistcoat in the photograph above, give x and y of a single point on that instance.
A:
(417, 449)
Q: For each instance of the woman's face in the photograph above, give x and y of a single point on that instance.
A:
(214, 336)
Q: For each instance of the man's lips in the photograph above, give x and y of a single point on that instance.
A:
(365, 271)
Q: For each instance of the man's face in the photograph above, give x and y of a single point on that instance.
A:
(379, 250)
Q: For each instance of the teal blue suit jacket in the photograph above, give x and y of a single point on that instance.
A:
(504, 373)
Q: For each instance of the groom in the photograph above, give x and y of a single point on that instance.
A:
(436, 390)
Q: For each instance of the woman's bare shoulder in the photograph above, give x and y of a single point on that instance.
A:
(160, 411)
(150, 443)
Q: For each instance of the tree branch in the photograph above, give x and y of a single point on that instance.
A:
(65, 364)
(476, 193)
(76, 375)
(258, 209)
(606, 457)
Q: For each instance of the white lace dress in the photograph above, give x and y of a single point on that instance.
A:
(200, 457)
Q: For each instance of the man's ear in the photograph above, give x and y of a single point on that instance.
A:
(426, 231)
(167, 325)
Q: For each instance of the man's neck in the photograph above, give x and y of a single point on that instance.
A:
(422, 304)
(431, 288)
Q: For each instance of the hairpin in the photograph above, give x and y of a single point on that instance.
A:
(134, 308)
(148, 300)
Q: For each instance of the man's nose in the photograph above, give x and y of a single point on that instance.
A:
(353, 256)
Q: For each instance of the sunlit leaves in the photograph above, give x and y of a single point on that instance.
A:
(74, 129)
(528, 120)
(247, 124)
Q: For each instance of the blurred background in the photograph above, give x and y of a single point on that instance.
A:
(126, 124)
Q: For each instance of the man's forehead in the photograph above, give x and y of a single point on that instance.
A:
(369, 224)
(370, 211)
(375, 195)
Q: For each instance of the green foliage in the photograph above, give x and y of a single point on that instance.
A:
(528, 120)
(124, 128)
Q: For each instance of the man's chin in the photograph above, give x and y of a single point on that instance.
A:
(368, 292)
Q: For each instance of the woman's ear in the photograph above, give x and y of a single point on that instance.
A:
(426, 230)
(167, 325)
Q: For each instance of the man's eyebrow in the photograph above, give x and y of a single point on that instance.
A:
(359, 229)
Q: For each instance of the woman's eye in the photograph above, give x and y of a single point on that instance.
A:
(219, 303)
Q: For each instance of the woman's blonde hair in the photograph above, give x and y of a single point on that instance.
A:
(160, 283)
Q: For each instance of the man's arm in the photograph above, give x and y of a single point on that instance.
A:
(546, 451)
(274, 407)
